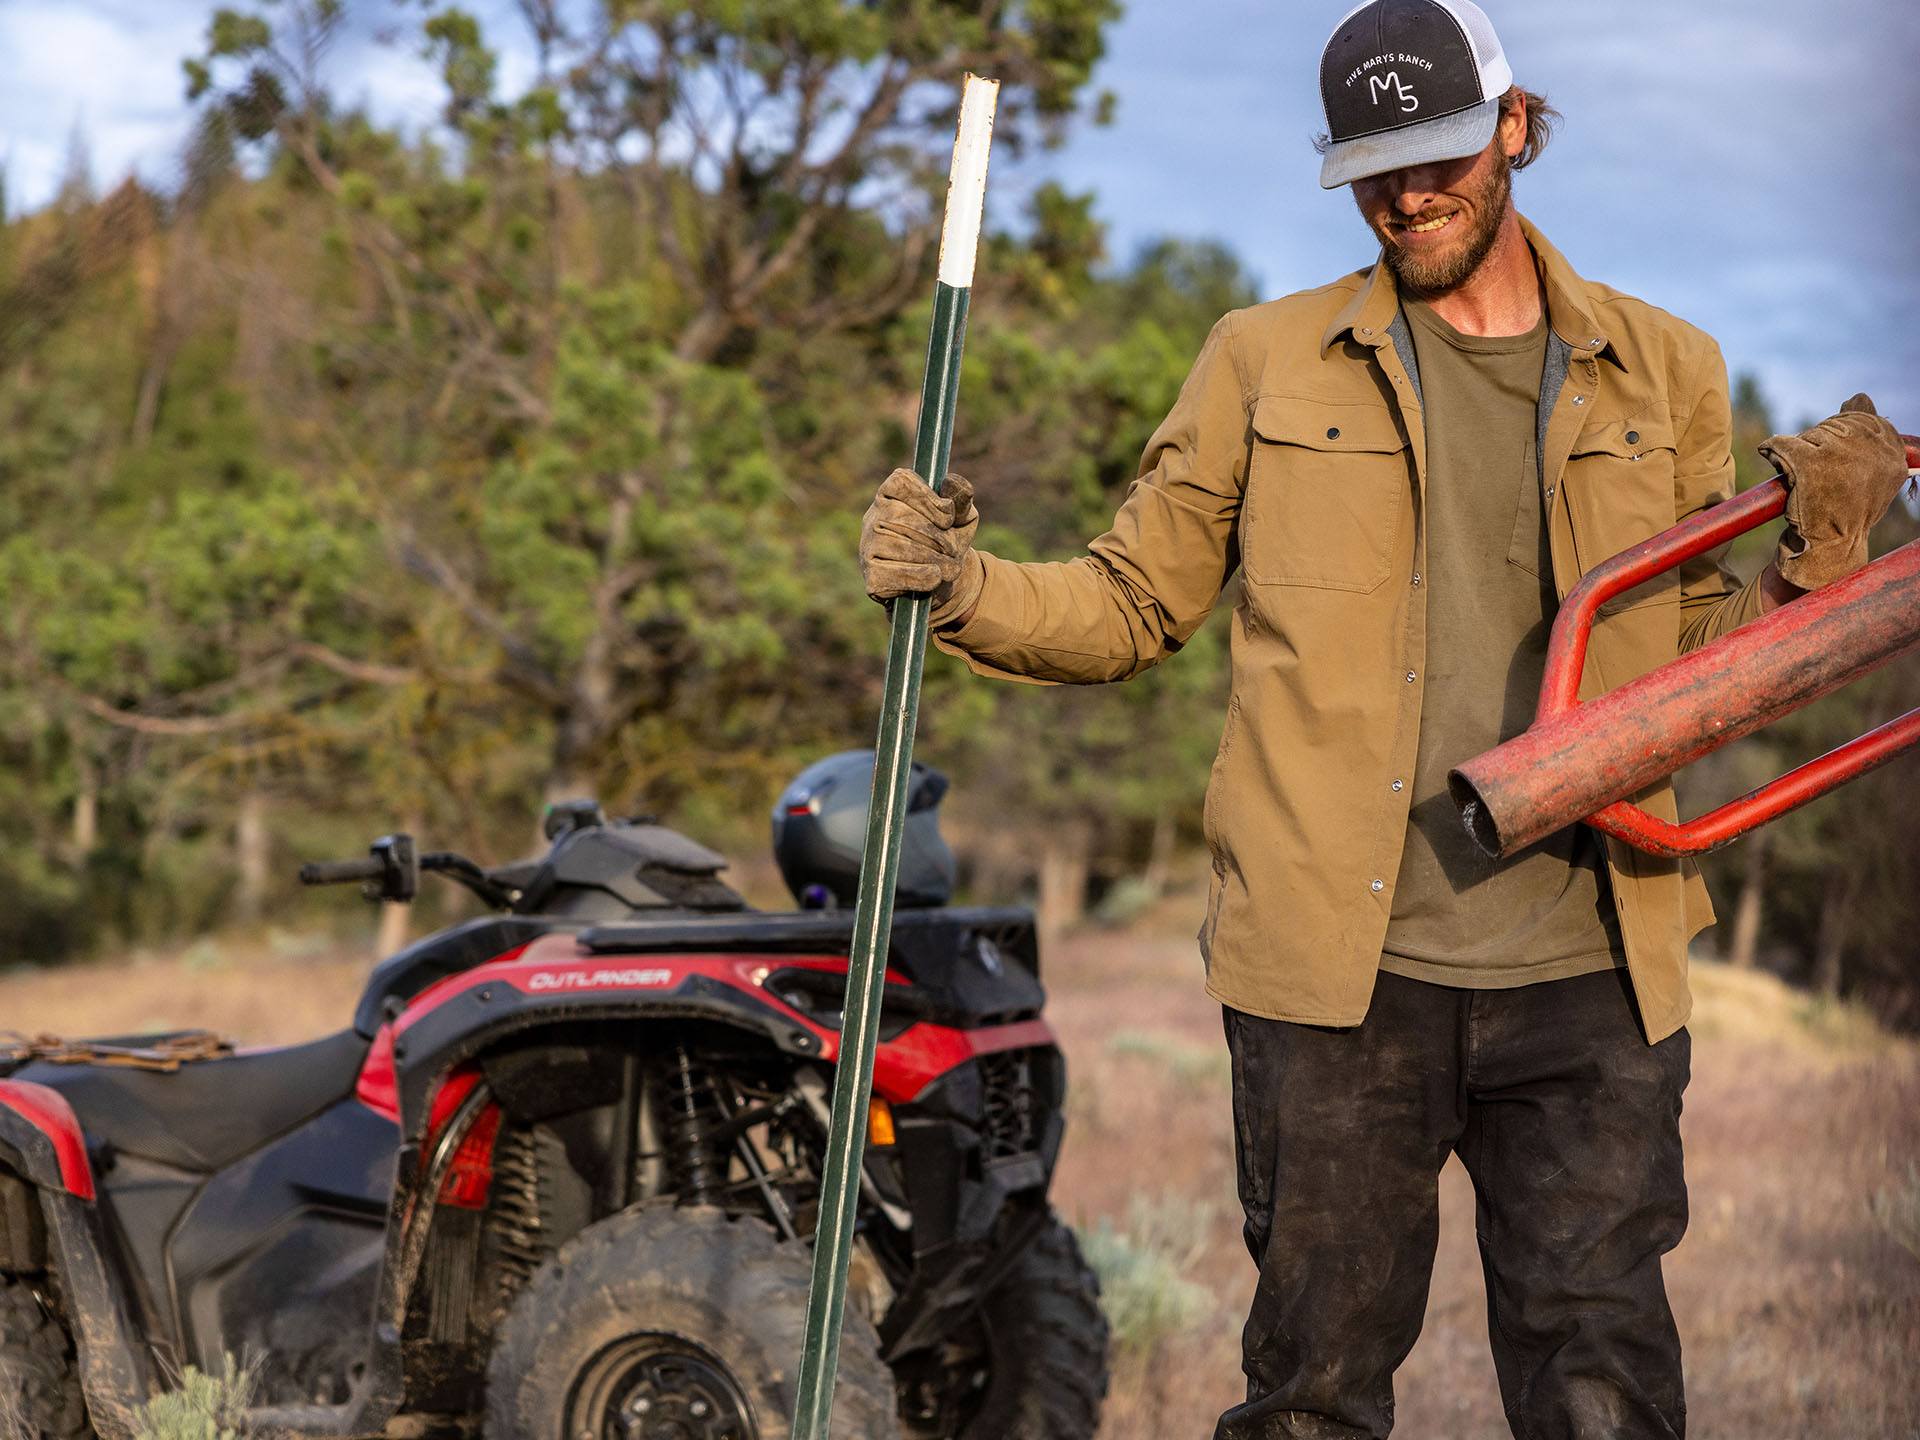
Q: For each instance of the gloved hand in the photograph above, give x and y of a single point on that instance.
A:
(1841, 477)
(914, 542)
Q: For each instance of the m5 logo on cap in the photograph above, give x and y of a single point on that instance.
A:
(1408, 82)
(1378, 85)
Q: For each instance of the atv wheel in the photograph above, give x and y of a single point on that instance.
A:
(39, 1378)
(673, 1325)
(1033, 1366)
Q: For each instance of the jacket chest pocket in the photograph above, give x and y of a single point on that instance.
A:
(1325, 489)
(1619, 485)
(1528, 547)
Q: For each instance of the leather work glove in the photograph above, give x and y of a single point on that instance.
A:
(914, 542)
(1841, 477)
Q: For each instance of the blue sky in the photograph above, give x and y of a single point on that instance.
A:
(1751, 165)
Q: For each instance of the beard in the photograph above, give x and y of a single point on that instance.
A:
(1426, 276)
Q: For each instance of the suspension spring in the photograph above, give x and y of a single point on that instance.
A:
(689, 1126)
(518, 1233)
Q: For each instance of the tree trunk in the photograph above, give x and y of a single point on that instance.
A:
(146, 409)
(704, 334)
(395, 918)
(1160, 854)
(252, 858)
(1743, 942)
(1836, 915)
(1064, 858)
(567, 784)
(86, 808)
(392, 934)
(570, 776)
(583, 728)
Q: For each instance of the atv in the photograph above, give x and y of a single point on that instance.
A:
(558, 1178)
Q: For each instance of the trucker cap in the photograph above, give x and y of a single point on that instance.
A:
(1409, 82)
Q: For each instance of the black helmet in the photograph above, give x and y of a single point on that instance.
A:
(820, 827)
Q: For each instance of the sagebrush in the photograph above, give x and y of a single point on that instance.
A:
(1896, 1210)
(202, 1406)
(1143, 1267)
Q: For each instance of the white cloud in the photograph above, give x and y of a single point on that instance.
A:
(112, 71)
(1744, 163)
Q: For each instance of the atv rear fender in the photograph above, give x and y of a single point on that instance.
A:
(455, 1021)
(40, 1138)
(48, 1220)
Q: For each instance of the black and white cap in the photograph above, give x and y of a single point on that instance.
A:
(1409, 82)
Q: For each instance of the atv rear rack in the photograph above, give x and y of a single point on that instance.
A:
(809, 932)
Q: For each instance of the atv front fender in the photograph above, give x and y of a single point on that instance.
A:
(42, 1145)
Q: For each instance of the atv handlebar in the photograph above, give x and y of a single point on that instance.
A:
(480, 881)
(340, 872)
(392, 872)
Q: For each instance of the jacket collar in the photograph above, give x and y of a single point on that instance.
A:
(1568, 310)
(1372, 308)
(1369, 312)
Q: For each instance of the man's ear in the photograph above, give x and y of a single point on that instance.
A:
(1512, 132)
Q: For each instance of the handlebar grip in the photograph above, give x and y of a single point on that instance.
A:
(340, 872)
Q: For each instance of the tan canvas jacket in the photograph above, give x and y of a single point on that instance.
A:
(1296, 454)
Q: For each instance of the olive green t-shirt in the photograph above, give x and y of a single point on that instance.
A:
(1459, 916)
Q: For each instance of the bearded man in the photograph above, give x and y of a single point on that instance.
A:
(1409, 468)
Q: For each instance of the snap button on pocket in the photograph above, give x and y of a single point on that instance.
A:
(1325, 496)
(1633, 437)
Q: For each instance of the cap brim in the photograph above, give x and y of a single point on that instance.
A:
(1451, 137)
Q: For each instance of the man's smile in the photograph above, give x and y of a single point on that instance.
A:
(1425, 227)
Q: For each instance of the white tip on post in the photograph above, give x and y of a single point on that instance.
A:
(967, 185)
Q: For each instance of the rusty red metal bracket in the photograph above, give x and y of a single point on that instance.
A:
(1580, 761)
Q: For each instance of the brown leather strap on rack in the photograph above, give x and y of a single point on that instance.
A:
(167, 1054)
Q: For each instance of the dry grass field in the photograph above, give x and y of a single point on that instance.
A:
(1797, 1287)
(1798, 1305)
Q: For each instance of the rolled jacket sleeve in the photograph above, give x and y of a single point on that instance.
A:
(1143, 588)
(1712, 599)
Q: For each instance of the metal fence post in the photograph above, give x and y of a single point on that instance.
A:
(892, 761)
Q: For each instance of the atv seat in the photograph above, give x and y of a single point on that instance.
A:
(210, 1112)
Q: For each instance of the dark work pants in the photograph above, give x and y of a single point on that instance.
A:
(1569, 1124)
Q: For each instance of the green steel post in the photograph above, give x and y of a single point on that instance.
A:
(887, 810)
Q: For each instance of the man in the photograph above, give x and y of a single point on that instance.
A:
(1409, 467)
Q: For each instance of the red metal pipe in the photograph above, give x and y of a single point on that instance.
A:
(1567, 645)
(1581, 761)
(1769, 802)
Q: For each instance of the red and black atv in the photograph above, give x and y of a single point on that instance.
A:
(557, 1180)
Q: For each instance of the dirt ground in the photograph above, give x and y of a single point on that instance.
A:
(1799, 1312)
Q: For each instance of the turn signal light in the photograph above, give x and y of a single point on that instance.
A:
(879, 1122)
